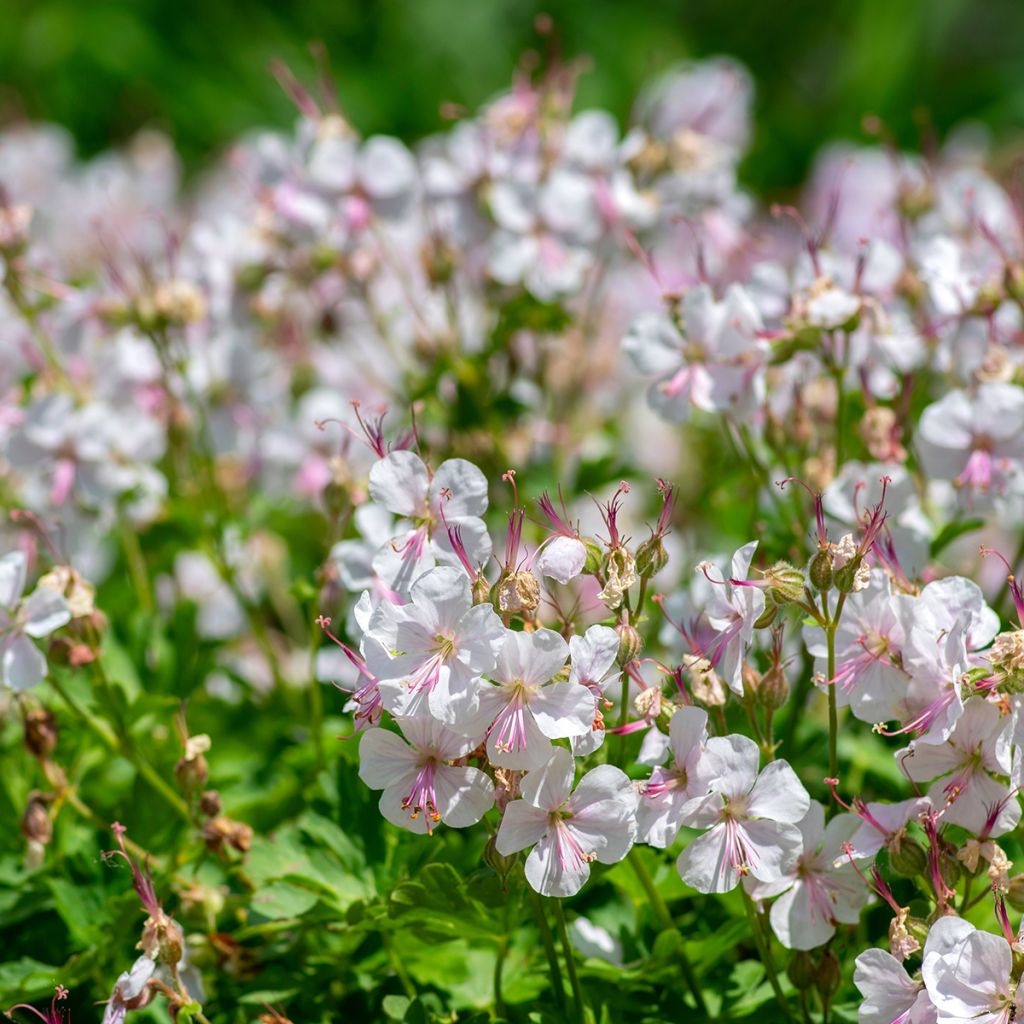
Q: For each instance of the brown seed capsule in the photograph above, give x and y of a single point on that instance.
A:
(209, 803)
(40, 732)
(36, 825)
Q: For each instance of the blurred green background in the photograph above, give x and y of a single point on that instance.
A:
(198, 68)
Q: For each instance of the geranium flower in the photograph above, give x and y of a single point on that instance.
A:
(421, 786)
(567, 829)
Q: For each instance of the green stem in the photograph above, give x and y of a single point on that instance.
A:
(570, 961)
(499, 966)
(661, 911)
(549, 948)
(136, 566)
(765, 953)
(117, 744)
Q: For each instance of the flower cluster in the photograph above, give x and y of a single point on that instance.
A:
(537, 288)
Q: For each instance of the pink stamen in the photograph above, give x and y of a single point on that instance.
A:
(422, 797)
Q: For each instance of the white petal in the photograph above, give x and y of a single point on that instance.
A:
(778, 794)
(466, 486)
(399, 482)
(549, 876)
(522, 825)
(548, 787)
(13, 567)
(23, 664)
(562, 558)
(704, 865)
(464, 795)
(385, 759)
(563, 709)
(44, 611)
(531, 658)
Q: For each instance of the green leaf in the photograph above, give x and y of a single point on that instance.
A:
(951, 531)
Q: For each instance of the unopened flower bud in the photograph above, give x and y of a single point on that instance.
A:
(828, 975)
(481, 590)
(36, 825)
(209, 803)
(501, 864)
(595, 556)
(630, 643)
(773, 691)
(767, 617)
(651, 556)
(908, 858)
(40, 732)
(801, 970)
(949, 866)
(1015, 892)
(850, 577)
(820, 571)
(517, 592)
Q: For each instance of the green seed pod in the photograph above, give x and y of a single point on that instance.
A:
(774, 689)
(829, 975)
(801, 970)
(909, 858)
(499, 863)
(1015, 892)
(595, 556)
(651, 556)
(845, 578)
(820, 571)
(786, 583)
(630, 643)
(767, 617)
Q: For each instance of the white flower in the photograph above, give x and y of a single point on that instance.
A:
(962, 767)
(713, 363)
(967, 974)
(420, 787)
(732, 611)
(527, 707)
(456, 494)
(819, 891)
(38, 615)
(751, 819)
(669, 797)
(976, 440)
(890, 994)
(434, 649)
(593, 658)
(562, 558)
(569, 829)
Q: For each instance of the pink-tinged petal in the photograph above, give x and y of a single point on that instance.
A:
(385, 759)
(531, 658)
(888, 991)
(13, 567)
(530, 749)
(399, 482)
(774, 847)
(550, 876)
(522, 825)
(548, 786)
(593, 654)
(778, 794)
(971, 979)
(741, 561)
(654, 345)
(563, 709)
(562, 559)
(443, 597)
(464, 795)
(799, 921)
(704, 865)
(687, 733)
(23, 664)
(480, 635)
(390, 806)
(729, 765)
(466, 485)
(44, 610)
